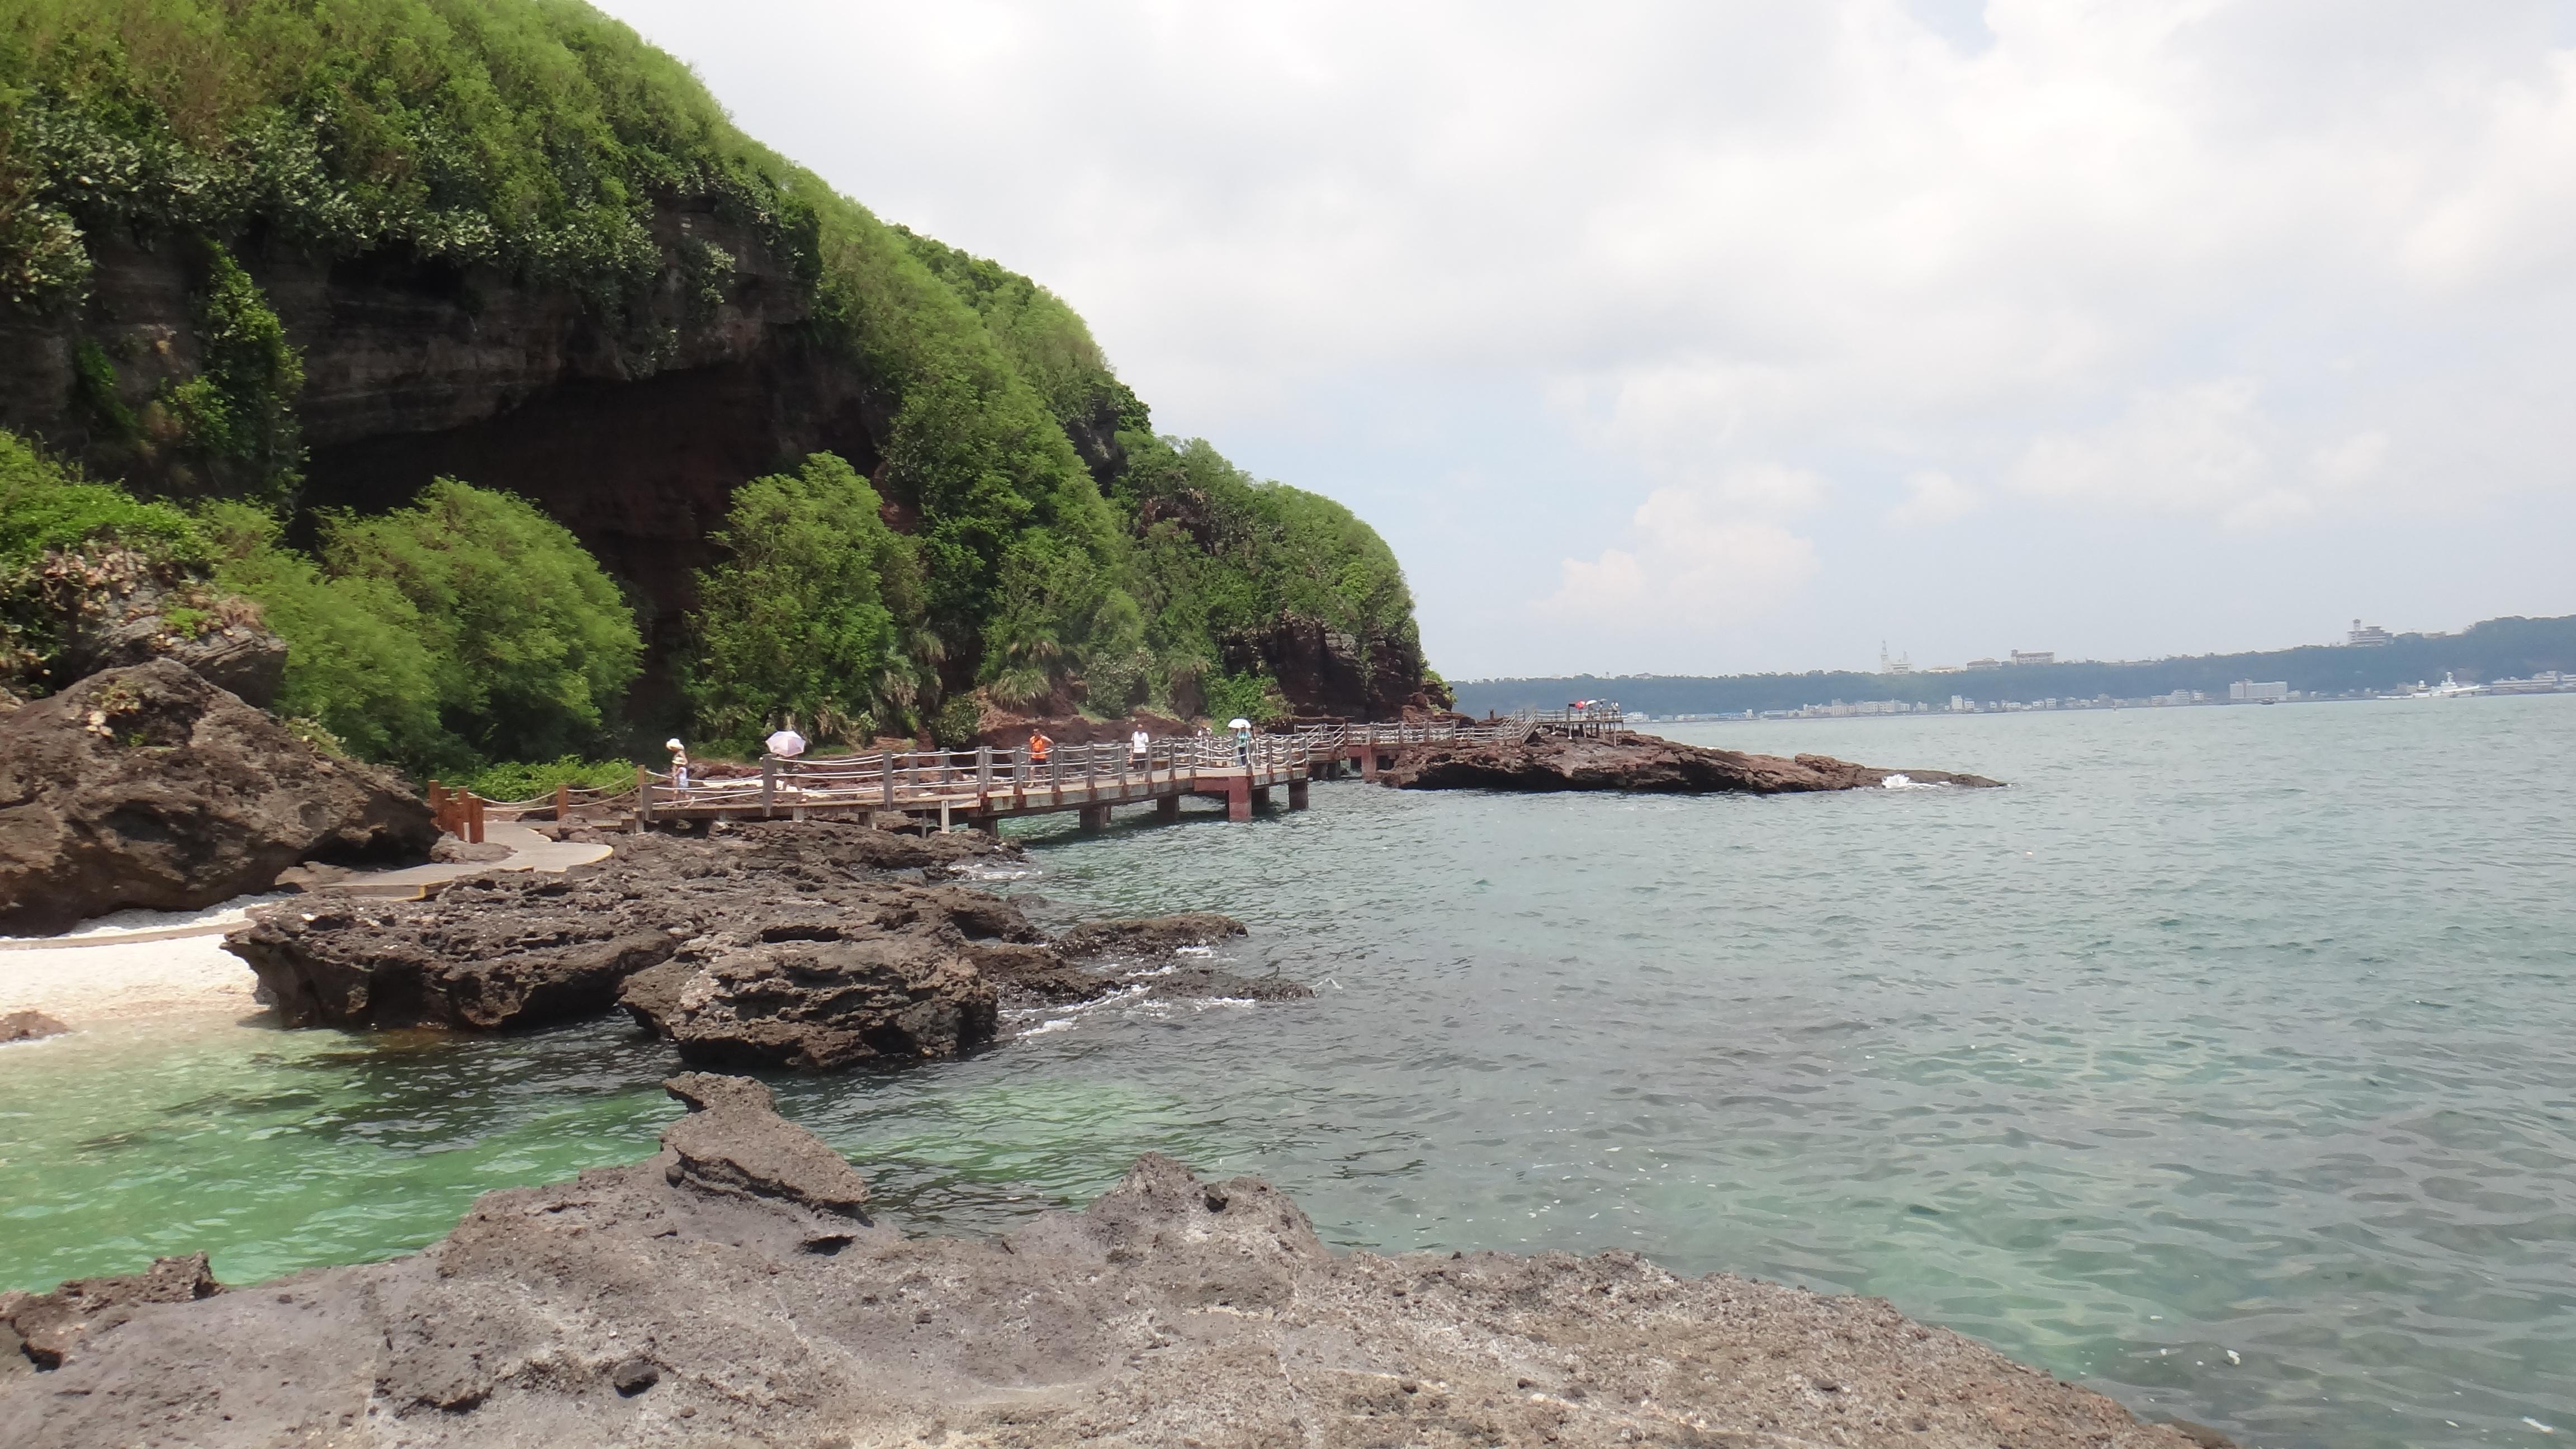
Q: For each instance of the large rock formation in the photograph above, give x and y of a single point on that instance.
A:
(1640, 763)
(150, 787)
(512, 949)
(731, 1291)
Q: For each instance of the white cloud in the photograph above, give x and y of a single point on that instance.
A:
(1932, 499)
(1696, 565)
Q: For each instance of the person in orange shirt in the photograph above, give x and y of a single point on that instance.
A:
(1039, 744)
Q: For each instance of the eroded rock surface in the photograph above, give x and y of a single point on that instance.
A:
(47, 1327)
(667, 1303)
(1147, 935)
(150, 787)
(515, 949)
(1640, 763)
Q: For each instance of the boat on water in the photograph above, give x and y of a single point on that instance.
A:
(2449, 688)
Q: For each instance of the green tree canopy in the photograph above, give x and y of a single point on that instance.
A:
(533, 644)
(816, 614)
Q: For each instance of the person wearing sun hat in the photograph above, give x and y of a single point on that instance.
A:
(679, 763)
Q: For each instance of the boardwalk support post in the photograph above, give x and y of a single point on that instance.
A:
(1094, 816)
(1168, 807)
(1296, 794)
(768, 785)
(1238, 798)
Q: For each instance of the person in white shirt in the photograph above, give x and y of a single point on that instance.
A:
(1139, 748)
(679, 764)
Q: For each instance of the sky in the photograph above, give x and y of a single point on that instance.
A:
(1716, 337)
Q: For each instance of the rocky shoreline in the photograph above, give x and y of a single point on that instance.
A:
(805, 945)
(735, 1289)
(1641, 764)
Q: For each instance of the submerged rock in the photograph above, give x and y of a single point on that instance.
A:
(820, 996)
(1147, 935)
(1640, 763)
(28, 1026)
(726, 1291)
(149, 787)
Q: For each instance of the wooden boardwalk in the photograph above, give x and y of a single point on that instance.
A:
(981, 786)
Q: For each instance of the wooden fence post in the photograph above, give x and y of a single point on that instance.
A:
(643, 796)
(563, 803)
(886, 761)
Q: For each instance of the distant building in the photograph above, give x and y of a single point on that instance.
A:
(1983, 664)
(2034, 656)
(2367, 636)
(1898, 665)
(2246, 691)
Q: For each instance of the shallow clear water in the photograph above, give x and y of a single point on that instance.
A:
(2223, 1029)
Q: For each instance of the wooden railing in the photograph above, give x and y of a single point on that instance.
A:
(986, 779)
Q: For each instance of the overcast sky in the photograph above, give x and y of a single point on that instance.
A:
(1709, 337)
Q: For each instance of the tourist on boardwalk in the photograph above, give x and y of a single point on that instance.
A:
(1039, 744)
(679, 764)
(1242, 741)
(1140, 749)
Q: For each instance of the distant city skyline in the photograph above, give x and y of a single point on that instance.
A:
(1706, 338)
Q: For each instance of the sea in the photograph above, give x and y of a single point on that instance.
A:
(2224, 1062)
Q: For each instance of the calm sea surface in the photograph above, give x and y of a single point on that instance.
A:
(2227, 1062)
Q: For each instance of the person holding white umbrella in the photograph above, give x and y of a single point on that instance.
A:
(1242, 741)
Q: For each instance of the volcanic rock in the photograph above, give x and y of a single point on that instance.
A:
(151, 787)
(48, 1326)
(1643, 764)
(516, 949)
(821, 996)
(1147, 935)
(28, 1026)
(672, 1303)
(734, 1141)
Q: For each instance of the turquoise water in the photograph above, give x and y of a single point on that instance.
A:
(2222, 1030)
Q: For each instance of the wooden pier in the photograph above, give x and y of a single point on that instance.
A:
(982, 786)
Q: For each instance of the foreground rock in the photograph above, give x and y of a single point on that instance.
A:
(513, 949)
(149, 787)
(1639, 763)
(731, 1291)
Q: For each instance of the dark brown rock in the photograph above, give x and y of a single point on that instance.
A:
(822, 998)
(151, 787)
(1172, 1310)
(1146, 936)
(28, 1026)
(1640, 763)
(516, 949)
(106, 607)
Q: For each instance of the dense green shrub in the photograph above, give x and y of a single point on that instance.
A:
(811, 616)
(533, 646)
(46, 506)
(238, 412)
(358, 659)
(533, 781)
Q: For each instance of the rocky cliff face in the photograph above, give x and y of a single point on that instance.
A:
(633, 431)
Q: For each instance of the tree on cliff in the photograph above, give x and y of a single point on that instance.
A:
(811, 614)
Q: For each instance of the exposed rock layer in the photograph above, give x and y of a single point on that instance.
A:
(150, 787)
(733, 1297)
(1639, 763)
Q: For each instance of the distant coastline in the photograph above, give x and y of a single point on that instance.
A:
(2492, 650)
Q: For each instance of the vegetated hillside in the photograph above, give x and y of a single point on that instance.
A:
(2495, 649)
(315, 256)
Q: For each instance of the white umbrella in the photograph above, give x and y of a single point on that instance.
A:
(1238, 724)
